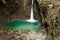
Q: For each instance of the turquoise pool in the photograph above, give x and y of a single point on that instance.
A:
(23, 25)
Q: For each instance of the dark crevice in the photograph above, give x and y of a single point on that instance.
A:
(46, 27)
(39, 17)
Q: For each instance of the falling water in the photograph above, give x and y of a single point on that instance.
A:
(32, 15)
(30, 24)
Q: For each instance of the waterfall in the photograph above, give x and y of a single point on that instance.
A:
(32, 14)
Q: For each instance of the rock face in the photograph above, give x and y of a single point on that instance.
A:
(14, 10)
(51, 18)
(46, 11)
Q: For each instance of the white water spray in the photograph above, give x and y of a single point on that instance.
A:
(32, 15)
